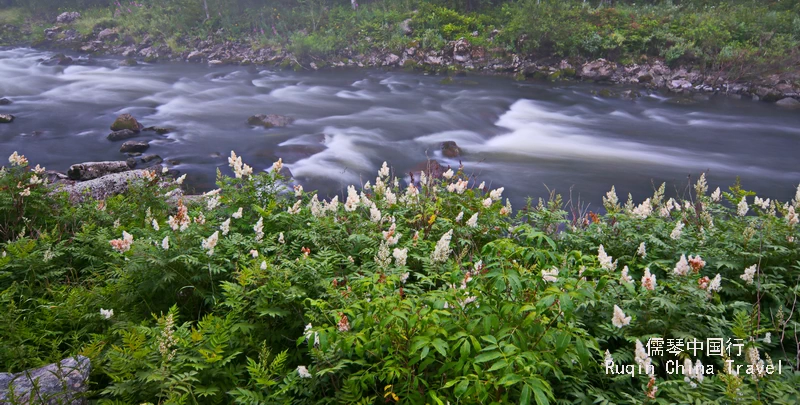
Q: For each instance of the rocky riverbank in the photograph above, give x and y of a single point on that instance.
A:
(457, 57)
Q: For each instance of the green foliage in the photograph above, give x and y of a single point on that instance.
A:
(420, 294)
(743, 38)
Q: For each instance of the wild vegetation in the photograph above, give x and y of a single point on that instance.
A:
(743, 36)
(435, 291)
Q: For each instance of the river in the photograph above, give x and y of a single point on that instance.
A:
(529, 137)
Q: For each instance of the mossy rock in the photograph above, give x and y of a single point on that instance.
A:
(540, 75)
(555, 75)
(606, 93)
(126, 121)
(410, 64)
(285, 64)
(446, 80)
(567, 73)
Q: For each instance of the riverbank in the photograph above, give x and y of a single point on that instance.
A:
(405, 43)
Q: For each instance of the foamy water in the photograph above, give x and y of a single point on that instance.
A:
(527, 137)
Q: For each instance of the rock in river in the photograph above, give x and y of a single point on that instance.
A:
(269, 120)
(93, 170)
(122, 135)
(134, 147)
(5, 101)
(126, 121)
(450, 149)
(158, 130)
(65, 382)
(788, 102)
(6, 118)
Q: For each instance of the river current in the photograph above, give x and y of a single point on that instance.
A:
(528, 137)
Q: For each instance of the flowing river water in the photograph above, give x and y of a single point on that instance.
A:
(527, 137)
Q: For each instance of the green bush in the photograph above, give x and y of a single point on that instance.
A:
(433, 293)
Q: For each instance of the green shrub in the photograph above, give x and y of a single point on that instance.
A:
(415, 294)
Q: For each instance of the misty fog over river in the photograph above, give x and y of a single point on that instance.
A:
(524, 136)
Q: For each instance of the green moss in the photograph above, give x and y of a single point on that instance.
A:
(606, 93)
(410, 64)
(14, 16)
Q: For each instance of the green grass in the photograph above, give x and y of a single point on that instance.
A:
(92, 19)
(13, 16)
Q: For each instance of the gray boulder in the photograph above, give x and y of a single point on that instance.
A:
(104, 187)
(122, 135)
(108, 34)
(65, 382)
(134, 147)
(68, 17)
(269, 120)
(93, 170)
(405, 26)
(6, 118)
(461, 50)
(597, 70)
(195, 56)
(788, 102)
(391, 59)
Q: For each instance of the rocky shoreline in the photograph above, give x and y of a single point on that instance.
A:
(457, 57)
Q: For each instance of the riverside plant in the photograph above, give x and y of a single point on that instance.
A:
(259, 293)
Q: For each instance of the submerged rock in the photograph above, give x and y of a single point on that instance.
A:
(59, 59)
(158, 130)
(126, 121)
(5, 101)
(65, 382)
(93, 170)
(6, 118)
(128, 62)
(270, 120)
(152, 159)
(134, 147)
(122, 134)
(450, 149)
